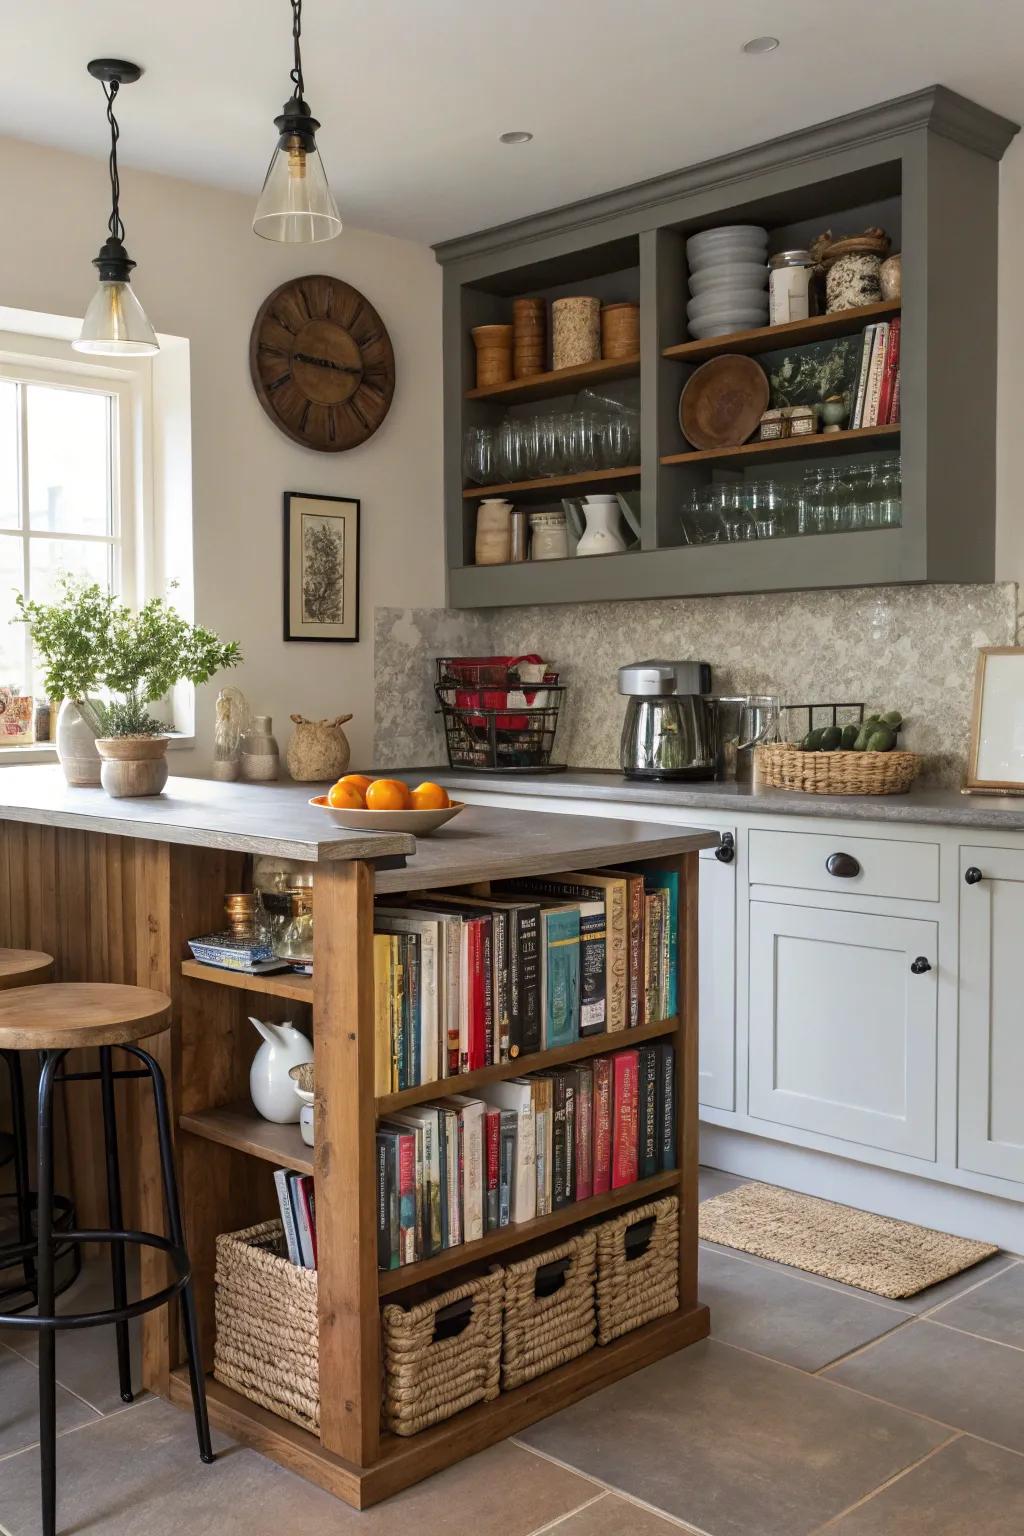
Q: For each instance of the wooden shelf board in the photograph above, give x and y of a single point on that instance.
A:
(551, 486)
(404, 1461)
(768, 338)
(813, 443)
(240, 1127)
(277, 984)
(539, 1061)
(391, 1280)
(560, 381)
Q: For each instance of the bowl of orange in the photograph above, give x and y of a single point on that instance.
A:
(365, 804)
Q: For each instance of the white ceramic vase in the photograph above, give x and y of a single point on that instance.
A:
(77, 752)
(602, 535)
(272, 1090)
(261, 759)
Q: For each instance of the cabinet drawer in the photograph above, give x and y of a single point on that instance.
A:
(874, 866)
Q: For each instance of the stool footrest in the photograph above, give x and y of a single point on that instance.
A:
(70, 1320)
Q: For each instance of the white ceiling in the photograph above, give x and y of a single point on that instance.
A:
(414, 93)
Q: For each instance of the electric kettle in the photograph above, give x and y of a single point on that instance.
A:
(671, 725)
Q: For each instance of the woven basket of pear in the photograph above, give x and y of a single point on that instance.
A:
(318, 750)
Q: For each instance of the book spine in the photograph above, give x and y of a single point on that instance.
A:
(524, 1192)
(383, 1204)
(666, 970)
(667, 1106)
(478, 988)
(530, 1013)
(486, 1043)
(443, 1186)
(540, 1134)
(593, 969)
(414, 1012)
(649, 1140)
(561, 969)
(617, 952)
(500, 924)
(602, 1132)
(408, 1234)
(892, 354)
(875, 370)
(473, 1182)
(398, 1013)
(493, 1147)
(559, 1155)
(453, 994)
(637, 999)
(584, 1133)
(382, 1078)
(570, 1135)
(301, 1186)
(653, 918)
(894, 409)
(506, 1165)
(857, 419)
(284, 1200)
(624, 1118)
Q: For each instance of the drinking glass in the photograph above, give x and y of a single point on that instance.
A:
(508, 448)
(700, 520)
(835, 502)
(769, 508)
(861, 508)
(550, 452)
(529, 438)
(615, 442)
(808, 502)
(730, 501)
(478, 463)
(890, 492)
(584, 440)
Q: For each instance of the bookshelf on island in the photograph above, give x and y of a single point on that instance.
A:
(227, 1150)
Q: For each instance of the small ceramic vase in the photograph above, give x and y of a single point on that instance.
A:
(853, 281)
(602, 535)
(891, 278)
(549, 538)
(833, 412)
(76, 746)
(493, 532)
(261, 759)
(318, 751)
(271, 1088)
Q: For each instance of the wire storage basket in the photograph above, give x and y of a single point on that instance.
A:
(500, 712)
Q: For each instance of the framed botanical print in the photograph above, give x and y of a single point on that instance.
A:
(996, 760)
(321, 567)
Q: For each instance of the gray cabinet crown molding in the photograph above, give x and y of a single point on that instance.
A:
(935, 108)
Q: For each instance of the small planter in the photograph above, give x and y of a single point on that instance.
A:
(132, 765)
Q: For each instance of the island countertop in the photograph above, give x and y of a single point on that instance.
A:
(276, 819)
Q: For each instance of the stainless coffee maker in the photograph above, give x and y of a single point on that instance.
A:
(670, 730)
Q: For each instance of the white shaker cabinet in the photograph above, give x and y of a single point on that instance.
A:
(991, 1130)
(843, 1025)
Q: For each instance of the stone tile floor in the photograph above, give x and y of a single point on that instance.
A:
(813, 1408)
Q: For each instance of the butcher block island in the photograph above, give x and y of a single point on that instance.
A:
(114, 889)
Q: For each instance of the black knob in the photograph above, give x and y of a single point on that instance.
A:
(726, 851)
(973, 875)
(842, 864)
(920, 965)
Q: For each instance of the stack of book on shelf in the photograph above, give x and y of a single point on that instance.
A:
(297, 1201)
(464, 982)
(452, 1170)
(877, 402)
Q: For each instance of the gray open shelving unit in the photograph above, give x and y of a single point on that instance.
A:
(925, 167)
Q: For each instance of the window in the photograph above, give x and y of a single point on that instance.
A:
(66, 497)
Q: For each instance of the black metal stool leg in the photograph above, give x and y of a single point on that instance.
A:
(44, 1264)
(22, 1187)
(177, 1237)
(114, 1212)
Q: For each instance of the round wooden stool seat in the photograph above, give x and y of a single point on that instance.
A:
(64, 1015)
(19, 967)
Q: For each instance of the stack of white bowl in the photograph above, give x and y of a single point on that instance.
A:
(728, 280)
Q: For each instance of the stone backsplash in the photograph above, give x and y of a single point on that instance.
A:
(906, 648)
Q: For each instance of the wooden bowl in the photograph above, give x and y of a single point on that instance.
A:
(723, 402)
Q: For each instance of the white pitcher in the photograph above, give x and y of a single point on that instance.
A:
(272, 1090)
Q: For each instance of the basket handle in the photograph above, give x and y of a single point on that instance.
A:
(550, 1278)
(453, 1319)
(638, 1238)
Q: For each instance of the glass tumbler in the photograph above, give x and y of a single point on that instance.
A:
(769, 508)
(478, 464)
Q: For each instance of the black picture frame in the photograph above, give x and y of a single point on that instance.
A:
(293, 538)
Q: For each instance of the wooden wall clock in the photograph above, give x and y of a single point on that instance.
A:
(322, 363)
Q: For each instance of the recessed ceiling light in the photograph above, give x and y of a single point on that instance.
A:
(761, 45)
(517, 136)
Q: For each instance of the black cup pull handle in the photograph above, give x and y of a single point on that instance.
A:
(842, 864)
(550, 1278)
(726, 851)
(452, 1320)
(920, 965)
(973, 875)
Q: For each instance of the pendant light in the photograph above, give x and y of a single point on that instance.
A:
(296, 203)
(115, 323)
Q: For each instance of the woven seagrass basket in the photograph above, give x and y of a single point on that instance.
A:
(836, 773)
(267, 1345)
(549, 1310)
(443, 1355)
(637, 1268)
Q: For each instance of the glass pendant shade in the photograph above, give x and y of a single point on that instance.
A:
(296, 204)
(116, 325)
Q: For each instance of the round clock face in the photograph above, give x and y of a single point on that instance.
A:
(322, 363)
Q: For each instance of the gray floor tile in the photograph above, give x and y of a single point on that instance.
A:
(612, 1516)
(714, 1182)
(19, 1408)
(967, 1382)
(965, 1489)
(140, 1471)
(735, 1444)
(995, 1310)
(785, 1317)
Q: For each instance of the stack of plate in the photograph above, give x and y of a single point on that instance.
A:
(728, 280)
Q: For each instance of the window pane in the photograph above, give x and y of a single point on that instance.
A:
(69, 460)
(49, 557)
(12, 636)
(9, 512)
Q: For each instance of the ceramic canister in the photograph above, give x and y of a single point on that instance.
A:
(493, 532)
(852, 281)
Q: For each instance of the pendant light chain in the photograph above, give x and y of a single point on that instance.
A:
(115, 223)
(296, 73)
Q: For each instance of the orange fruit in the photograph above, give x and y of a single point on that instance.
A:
(430, 797)
(360, 781)
(387, 795)
(344, 797)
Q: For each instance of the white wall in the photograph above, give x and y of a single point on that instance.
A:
(203, 274)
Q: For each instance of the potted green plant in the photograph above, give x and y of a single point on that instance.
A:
(89, 641)
(70, 636)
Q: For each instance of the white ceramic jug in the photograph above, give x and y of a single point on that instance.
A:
(272, 1090)
(602, 535)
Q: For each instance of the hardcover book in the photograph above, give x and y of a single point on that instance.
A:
(387, 1205)
(431, 1001)
(584, 1132)
(601, 1138)
(668, 881)
(492, 1148)
(508, 1133)
(560, 974)
(649, 1144)
(667, 1105)
(625, 1108)
(516, 1096)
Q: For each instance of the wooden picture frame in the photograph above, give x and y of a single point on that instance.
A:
(995, 761)
(321, 567)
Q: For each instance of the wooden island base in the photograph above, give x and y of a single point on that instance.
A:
(114, 890)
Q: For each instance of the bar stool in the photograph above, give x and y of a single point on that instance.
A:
(53, 1019)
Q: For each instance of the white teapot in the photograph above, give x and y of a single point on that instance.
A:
(272, 1090)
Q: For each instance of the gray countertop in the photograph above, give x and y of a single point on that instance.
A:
(935, 807)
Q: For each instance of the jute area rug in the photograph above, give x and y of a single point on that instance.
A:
(890, 1258)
